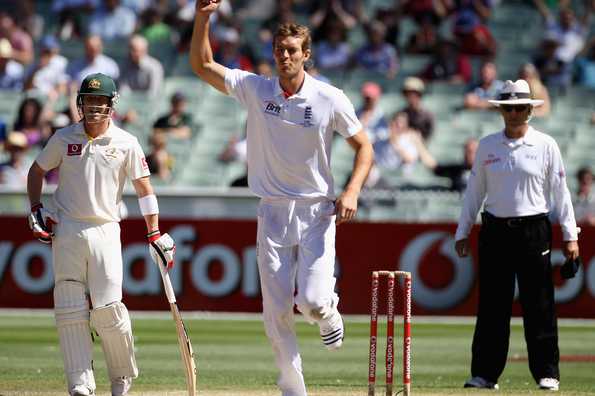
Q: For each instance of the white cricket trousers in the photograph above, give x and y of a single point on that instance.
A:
(91, 254)
(87, 259)
(295, 247)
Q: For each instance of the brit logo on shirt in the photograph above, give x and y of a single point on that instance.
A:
(308, 117)
(272, 108)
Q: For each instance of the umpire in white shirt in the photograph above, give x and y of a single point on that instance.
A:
(520, 175)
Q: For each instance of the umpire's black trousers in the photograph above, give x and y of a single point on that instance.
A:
(508, 249)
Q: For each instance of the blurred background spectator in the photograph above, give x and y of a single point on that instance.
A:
(229, 54)
(370, 114)
(459, 172)
(32, 121)
(141, 72)
(160, 162)
(177, 121)
(448, 65)
(346, 12)
(487, 88)
(20, 40)
(236, 150)
(264, 68)
(14, 171)
(472, 34)
(48, 74)
(529, 73)
(556, 74)
(376, 55)
(564, 39)
(422, 11)
(424, 40)
(29, 19)
(11, 72)
(585, 66)
(333, 53)
(112, 21)
(570, 32)
(584, 202)
(398, 152)
(418, 117)
(154, 29)
(71, 14)
(94, 61)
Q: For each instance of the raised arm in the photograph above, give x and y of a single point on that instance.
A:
(542, 8)
(201, 54)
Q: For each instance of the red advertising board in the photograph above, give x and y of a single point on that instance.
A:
(216, 267)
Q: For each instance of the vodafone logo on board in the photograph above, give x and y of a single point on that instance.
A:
(435, 249)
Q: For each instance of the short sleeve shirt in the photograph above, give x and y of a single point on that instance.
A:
(289, 139)
(93, 172)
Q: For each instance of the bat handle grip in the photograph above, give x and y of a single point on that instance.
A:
(169, 290)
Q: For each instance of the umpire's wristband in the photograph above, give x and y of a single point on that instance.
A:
(153, 236)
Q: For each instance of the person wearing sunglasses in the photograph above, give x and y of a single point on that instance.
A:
(514, 174)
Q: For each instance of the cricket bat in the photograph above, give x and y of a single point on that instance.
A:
(183, 340)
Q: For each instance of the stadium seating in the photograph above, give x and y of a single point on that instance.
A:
(217, 118)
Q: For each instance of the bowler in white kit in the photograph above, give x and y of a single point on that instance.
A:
(94, 158)
(291, 122)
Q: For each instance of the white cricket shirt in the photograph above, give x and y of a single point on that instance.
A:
(521, 177)
(92, 172)
(289, 140)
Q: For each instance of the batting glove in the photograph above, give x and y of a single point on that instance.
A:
(162, 249)
(41, 222)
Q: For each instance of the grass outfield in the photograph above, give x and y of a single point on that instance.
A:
(234, 358)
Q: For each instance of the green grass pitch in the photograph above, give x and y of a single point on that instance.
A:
(234, 358)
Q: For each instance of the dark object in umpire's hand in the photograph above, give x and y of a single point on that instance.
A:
(570, 268)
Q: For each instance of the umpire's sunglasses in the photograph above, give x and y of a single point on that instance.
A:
(518, 108)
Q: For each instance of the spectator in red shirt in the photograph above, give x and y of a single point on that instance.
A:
(474, 37)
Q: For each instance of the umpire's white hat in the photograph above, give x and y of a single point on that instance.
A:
(515, 93)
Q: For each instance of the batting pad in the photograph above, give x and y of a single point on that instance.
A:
(71, 311)
(112, 323)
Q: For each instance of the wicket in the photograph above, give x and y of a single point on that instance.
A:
(390, 330)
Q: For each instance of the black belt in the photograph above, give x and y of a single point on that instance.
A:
(512, 222)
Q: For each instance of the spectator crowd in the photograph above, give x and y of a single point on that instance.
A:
(454, 38)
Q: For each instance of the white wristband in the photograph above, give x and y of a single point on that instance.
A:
(148, 205)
